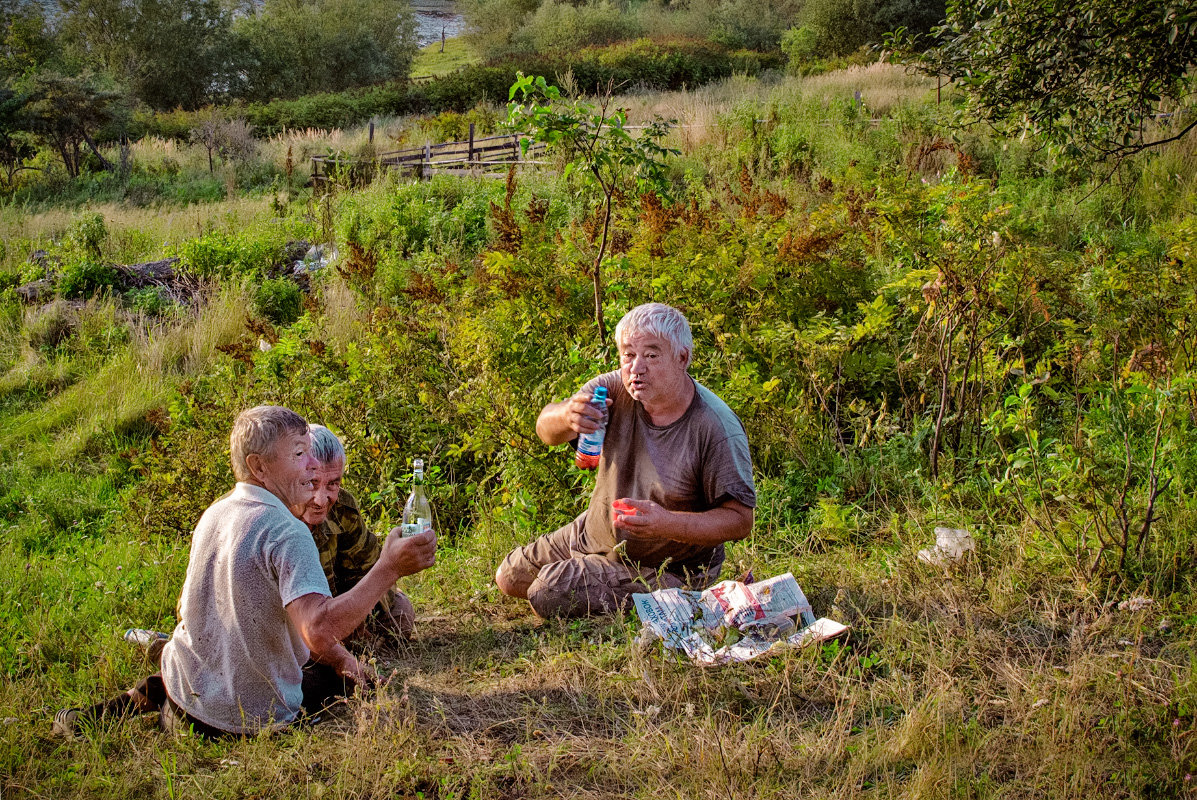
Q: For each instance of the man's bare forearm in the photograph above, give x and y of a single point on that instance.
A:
(552, 426)
(724, 523)
(339, 658)
(710, 528)
(341, 615)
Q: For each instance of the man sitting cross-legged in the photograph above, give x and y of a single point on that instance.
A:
(255, 602)
(675, 457)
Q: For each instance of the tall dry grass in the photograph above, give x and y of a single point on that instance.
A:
(134, 234)
(698, 112)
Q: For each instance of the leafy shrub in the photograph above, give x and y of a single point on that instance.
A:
(452, 126)
(495, 23)
(87, 234)
(800, 46)
(387, 225)
(278, 300)
(563, 27)
(152, 300)
(85, 278)
(297, 48)
(842, 26)
(752, 24)
(223, 255)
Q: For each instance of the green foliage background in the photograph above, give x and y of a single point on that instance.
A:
(918, 328)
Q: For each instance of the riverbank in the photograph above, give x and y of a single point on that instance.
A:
(435, 20)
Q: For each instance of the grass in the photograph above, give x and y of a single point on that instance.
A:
(1004, 676)
(135, 380)
(134, 234)
(432, 62)
(936, 694)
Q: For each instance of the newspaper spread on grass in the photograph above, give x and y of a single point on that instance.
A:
(733, 621)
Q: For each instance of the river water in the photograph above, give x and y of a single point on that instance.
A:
(434, 15)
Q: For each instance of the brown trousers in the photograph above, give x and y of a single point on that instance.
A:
(564, 577)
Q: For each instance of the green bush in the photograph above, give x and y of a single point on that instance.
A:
(801, 46)
(152, 300)
(843, 26)
(87, 234)
(559, 26)
(225, 255)
(81, 279)
(297, 48)
(278, 300)
(752, 24)
(452, 126)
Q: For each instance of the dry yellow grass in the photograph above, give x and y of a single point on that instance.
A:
(882, 87)
(133, 233)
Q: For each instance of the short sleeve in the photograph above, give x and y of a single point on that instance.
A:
(727, 472)
(296, 562)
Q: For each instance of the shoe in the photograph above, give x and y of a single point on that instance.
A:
(66, 723)
(144, 637)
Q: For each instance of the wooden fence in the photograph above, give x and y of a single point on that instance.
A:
(470, 157)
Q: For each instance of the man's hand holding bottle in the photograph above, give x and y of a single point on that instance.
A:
(408, 555)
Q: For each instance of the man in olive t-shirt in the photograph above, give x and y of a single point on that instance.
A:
(674, 454)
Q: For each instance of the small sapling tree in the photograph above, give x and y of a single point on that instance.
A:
(598, 147)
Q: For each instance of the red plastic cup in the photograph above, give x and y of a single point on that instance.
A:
(620, 507)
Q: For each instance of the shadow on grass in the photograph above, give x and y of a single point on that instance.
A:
(517, 716)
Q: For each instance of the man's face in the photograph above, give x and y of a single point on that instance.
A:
(326, 488)
(287, 470)
(649, 369)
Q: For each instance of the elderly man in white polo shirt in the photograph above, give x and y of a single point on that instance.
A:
(255, 603)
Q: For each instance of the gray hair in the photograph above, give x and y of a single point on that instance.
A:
(658, 319)
(256, 430)
(326, 447)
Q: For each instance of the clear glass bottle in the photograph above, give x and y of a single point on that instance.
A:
(417, 513)
(590, 445)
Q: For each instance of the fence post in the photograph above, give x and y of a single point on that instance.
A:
(426, 167)
(470, 157)
(371, 131)
(515, 147)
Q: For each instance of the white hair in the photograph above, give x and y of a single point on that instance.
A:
(326, 447)
(658, 319)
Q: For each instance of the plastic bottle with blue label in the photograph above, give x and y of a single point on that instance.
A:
(590, 445)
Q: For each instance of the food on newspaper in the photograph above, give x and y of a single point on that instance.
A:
(733, 621)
